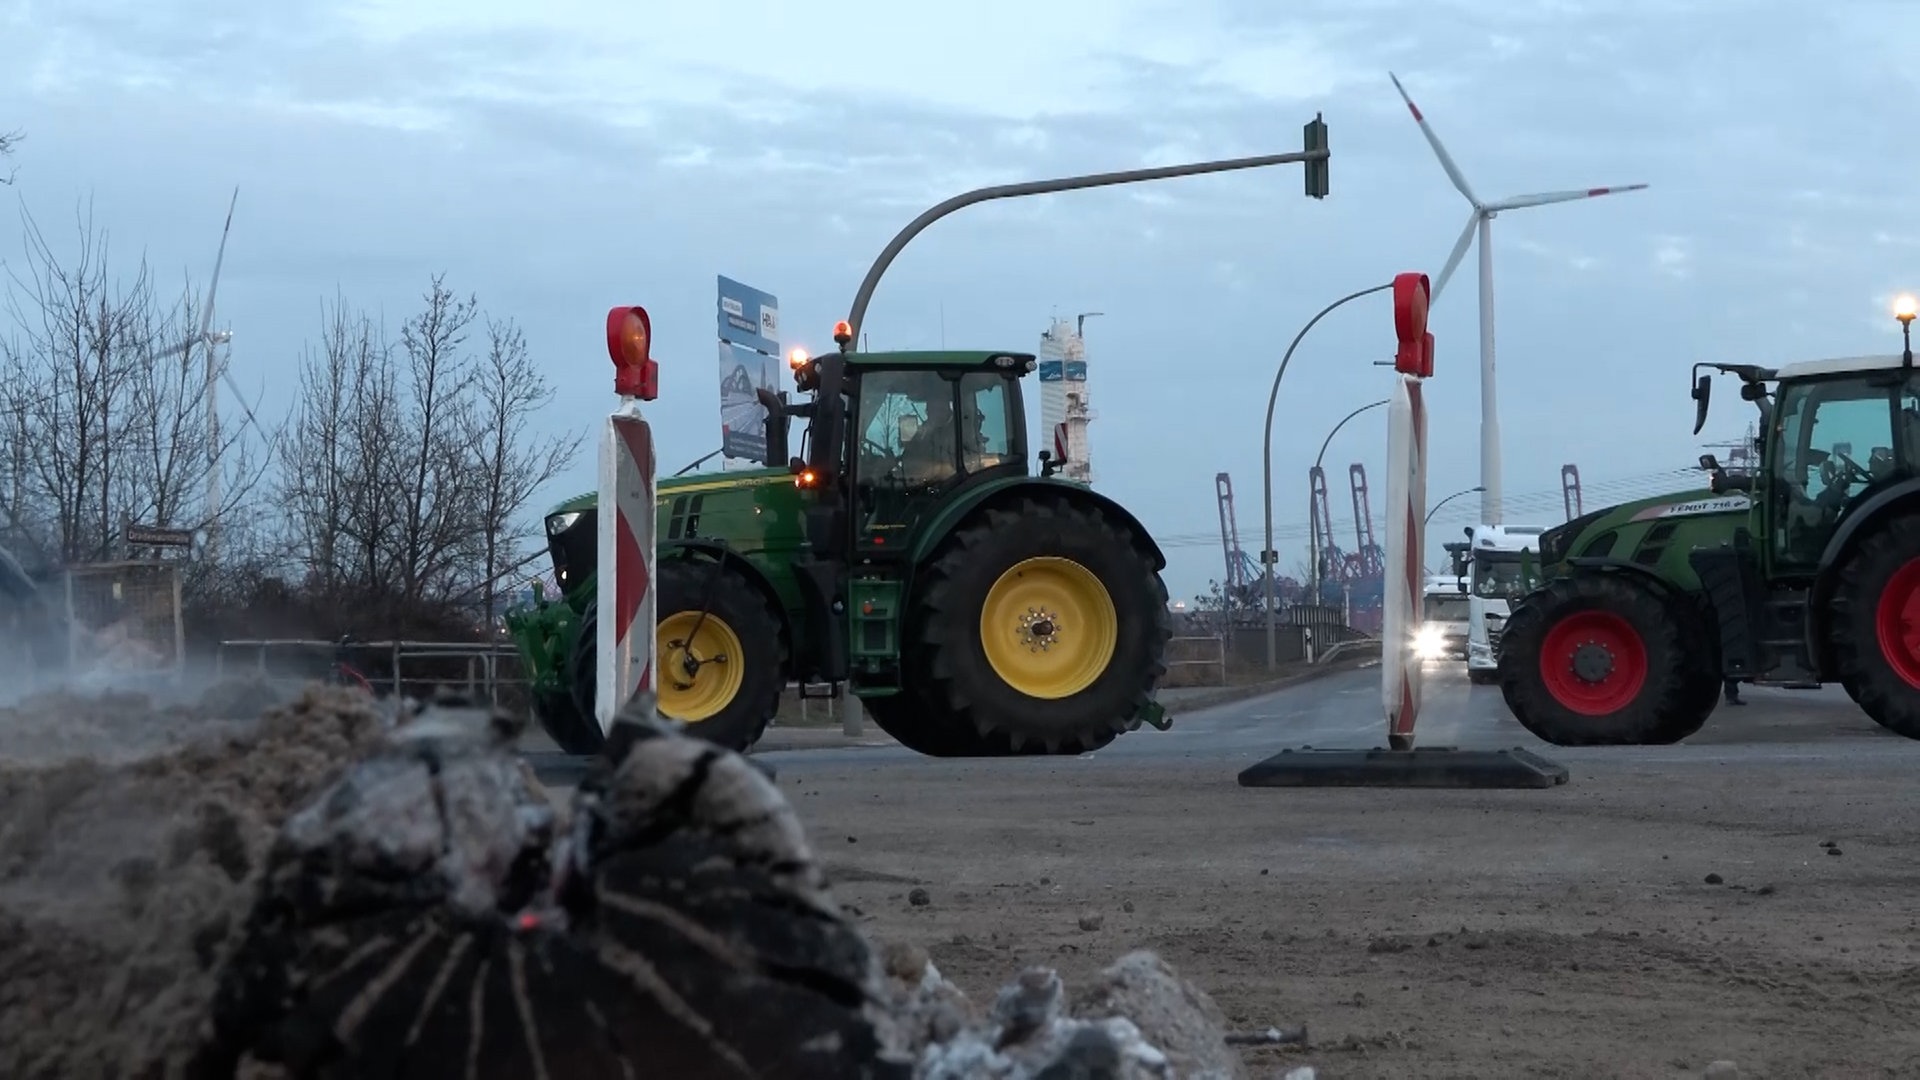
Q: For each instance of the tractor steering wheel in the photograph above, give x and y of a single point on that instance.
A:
(1841, 477)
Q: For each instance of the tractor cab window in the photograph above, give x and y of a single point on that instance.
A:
(1836, 437)
(983, 428)
(920, 429)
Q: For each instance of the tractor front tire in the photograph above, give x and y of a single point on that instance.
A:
(711, 612)
(580, 733)
(1598, 659)
(923, 729)
(1043, 627)
(1875, 626)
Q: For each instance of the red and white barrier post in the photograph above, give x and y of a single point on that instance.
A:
(1400, 667)
(625, 602)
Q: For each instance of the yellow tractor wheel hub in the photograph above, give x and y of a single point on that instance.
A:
(1049, 627)
(701, 668)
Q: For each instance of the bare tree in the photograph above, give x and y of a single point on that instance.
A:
(9, 140)
(510, 393)
(438, 494)
(98, 423)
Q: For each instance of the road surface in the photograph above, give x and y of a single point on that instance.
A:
(1746, 895)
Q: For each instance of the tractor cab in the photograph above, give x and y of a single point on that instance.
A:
(1836, 433)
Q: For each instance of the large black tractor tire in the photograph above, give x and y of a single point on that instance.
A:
(1874, 628)
(1041, 626)
(578, 731)
(920, 727)
(734, 691)
(1600, 659)
(570, 729)
(738, 621)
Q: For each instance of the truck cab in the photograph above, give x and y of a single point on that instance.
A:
(1502, 561)
(1445, 612)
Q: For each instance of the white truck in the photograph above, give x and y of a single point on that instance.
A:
(1445, 611)
(1498, 573)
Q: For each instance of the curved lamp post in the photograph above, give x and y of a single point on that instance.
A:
(1268, 557)
(1314, 544)
(1316, 151)
(1448, 499)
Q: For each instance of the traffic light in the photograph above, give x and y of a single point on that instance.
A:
(1316, 139)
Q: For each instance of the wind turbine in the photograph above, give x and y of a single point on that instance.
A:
(215, 371)
(1480, 220)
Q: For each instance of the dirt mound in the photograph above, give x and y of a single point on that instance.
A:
(118, 726)
(120, 881)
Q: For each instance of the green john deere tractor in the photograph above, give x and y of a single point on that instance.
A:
(1803, 570)
(976, 610)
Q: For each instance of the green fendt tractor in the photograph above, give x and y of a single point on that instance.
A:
(975, 609)
(1803, 570)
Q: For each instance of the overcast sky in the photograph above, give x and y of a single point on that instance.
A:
(560, 157)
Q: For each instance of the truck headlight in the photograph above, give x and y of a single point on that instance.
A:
(1429, 642)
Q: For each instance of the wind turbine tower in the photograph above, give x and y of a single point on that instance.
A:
(1480, 220)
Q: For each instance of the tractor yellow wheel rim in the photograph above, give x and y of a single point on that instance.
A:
(701, 668)
(1048, 627)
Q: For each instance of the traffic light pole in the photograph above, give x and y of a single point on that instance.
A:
(1315, 156)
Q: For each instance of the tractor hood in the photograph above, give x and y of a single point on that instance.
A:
(1598, 533)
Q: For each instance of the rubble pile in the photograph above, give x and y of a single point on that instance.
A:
(423, 909)
(120, 882)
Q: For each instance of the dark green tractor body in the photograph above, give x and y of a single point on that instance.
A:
(974, 608)
(1803, 570)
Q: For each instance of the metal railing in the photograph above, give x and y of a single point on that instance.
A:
(1194, 652)
(481, 673)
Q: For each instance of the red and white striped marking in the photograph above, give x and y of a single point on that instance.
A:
(1060, 441)
(626, 645)
(1400, 668)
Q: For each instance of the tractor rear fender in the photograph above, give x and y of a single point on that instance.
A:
(1903, 497)
(710, 550)
(1627, 566)
(1001, 492)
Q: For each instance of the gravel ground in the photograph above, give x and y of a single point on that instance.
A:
(1747, 899)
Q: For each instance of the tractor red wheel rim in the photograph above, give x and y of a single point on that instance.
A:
(1897, 622)
(1594, 663)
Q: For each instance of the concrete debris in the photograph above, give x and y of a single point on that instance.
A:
(340, 889)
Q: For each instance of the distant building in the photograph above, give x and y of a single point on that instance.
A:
(1065, 408)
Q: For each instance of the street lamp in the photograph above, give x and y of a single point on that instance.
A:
(1448, 499)
(1313, 574)
(1268, 557)
(1314, 156)
(1903, 309)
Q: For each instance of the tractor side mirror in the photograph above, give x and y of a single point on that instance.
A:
(1049, 465)
(1709, 463)
(1702, 395)
(776, 428)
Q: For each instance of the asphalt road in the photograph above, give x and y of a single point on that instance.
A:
(1343, 710)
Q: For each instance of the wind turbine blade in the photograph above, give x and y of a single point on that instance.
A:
(1519, 202)
(1453, 260)
(213, 285)
(1446, 159)
(241, 397)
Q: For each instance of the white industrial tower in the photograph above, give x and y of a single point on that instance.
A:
(1064, 405)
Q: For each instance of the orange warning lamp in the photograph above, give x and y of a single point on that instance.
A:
(843, 333)
(1411, 294)
(630, 346)
(797, 359)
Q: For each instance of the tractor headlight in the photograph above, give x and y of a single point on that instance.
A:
(560, 523)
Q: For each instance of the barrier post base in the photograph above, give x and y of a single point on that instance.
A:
(1426, 767)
